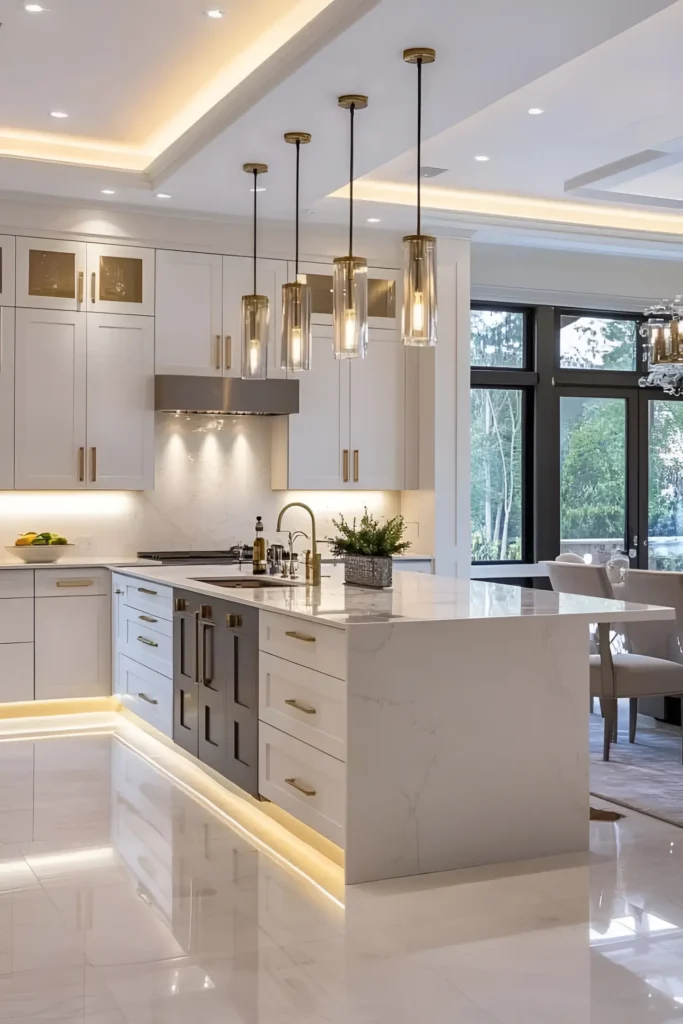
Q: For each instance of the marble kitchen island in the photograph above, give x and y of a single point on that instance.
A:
(440, 725)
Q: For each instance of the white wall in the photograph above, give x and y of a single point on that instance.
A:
(212, 480)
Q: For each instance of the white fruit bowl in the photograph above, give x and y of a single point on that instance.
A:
(39, 552)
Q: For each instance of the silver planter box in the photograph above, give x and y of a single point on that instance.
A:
(367, 571)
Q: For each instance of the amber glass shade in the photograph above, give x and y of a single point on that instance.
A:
(255, 316)
(419, 290)
(296, 327)
(350, 307)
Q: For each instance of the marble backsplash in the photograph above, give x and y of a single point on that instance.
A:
(212, 480)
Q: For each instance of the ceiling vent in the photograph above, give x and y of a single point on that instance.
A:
(432, 172)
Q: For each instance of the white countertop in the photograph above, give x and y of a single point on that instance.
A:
(86, 562)
(414, 597)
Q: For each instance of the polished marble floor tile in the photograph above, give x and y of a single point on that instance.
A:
(125, 901)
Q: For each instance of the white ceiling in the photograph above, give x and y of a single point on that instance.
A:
(607, 73)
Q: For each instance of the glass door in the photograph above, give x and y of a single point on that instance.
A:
(598, 436)
(662, 467)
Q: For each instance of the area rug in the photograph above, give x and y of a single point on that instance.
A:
(646, 776)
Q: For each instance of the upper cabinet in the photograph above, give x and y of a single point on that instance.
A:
(350, 430)
(383, 295)
(7, 249)
(76, 276)
(84, 402)
(6, 398)
(199, 312)
(50, 274)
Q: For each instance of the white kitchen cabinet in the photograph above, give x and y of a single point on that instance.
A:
(238, 280)
(350, 429)
(120, 402)
(120, 279)
(50, 274)
(50, 400)
(72, 647)
(16, 672)
(7, 257)
(377, 419)
(189, 314)
(384, 295)
(7, 317)
(311, 448)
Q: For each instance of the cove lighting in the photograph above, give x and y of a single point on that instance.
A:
(58, 113)
(481, 159)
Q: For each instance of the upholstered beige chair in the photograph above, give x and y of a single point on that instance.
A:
(631, 675)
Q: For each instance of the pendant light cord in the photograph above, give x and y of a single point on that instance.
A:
(255, 194)
(419, 139)
(296, 257)
(352, 110)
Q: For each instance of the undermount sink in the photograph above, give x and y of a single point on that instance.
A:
(250, 583)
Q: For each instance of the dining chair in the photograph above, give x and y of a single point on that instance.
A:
(631, 674)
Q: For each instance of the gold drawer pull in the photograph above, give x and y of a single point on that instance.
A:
(144, 590)
(150, 643)
(300, 636)
(143, 618)
(75, 583)
(306, 708)
(301, 787)
(150, 700)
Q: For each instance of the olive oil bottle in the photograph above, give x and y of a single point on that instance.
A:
(260, 556)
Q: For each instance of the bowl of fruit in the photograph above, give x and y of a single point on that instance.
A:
(40, 547)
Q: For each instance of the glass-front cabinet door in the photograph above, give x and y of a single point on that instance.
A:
(6, 270)
(50, 274)
(120, 279)
(384, 301)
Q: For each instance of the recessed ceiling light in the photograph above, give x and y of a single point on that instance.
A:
(482, 159)
(534, 111)
(34, 8)
(163, 195)
(58, 113)
(107, 191)
(214, 13)
(373, 220)
(261, 188)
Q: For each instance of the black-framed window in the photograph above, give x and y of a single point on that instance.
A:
(501, 432)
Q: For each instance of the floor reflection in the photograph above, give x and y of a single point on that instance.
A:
(125, 901)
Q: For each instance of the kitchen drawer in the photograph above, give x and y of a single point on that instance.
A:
(147, 640)
(148, 597)
(16, 620)
(16, 583)
(72, 582)
(319, 715)
(304, 642)
(147, 694)
(316, 790)
(16, 672)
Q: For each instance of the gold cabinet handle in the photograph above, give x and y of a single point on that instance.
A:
(144, 590)
(233, 621)
(218, 351)
(227, 361)
(355, 465)
(81, 286)
(150, 643)
(143, 618)
(300, 636)
(93, 465)
(306, 708)
(301, 787)
(93, 287)
(150, 700)
(75, 583)
(81, 465)
(346, 465)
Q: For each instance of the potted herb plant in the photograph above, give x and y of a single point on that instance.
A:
(367, 549)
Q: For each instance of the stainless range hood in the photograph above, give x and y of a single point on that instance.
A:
(226, 395)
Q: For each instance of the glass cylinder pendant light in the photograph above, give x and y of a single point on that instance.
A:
(350, 288)
(255, 310)
(419, 251)
(296, 295)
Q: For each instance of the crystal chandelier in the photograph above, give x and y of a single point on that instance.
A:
(664, 332)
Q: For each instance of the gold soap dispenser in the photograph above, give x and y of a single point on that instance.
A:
(260, 556)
